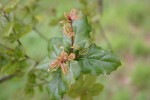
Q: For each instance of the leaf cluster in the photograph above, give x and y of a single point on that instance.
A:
(90, 59)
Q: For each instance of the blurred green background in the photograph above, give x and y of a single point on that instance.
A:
(120, 25)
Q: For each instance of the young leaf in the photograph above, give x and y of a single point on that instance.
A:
(82, 30)
(7, 29)
(66, 42)
(22, 29)
(98, 61)
(54, 47)
(29, 89)
(57, 87)
(10, 5)
(85, 88)
(73, 74)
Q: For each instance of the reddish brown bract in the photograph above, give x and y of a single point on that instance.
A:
(73, 15)
(61, 61)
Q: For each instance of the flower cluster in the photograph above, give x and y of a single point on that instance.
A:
(73, 15)
(62, 59)
(67, 28)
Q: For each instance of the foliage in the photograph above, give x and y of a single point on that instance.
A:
(80, 54)
(89, 58)
(87, 90)
(141, 74)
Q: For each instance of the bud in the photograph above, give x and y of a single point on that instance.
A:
(73, 15)
(71, 56)
(54, 64)
(62, 60)
(64, 68)
(67, 29)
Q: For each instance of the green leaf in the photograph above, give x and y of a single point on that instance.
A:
(85, 88)
(13, 60)
(60, 82)
(98, 61)
(53, 21)
(7, 29)
(73, 74)
(10, 5)
(29, 89)
(19, 53)
(54, 47)
(83, 2)
(95, 89)
(44, 64)
(57, 87)
(86, 97)
(66, 42)
(22, 30)
(82, 29)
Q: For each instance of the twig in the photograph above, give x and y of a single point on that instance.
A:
(36, 64)
(38, 84)
(5, 78)
(42, 79)
(14, 31)
(100, 2)
(40, 34)
(26, 56)
(34, 28)
(5, 15)
(104, 36)
(5, 47)
(72, 40)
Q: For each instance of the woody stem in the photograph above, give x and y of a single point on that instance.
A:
(72, 40)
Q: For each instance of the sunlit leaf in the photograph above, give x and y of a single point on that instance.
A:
(7, 29)
(10, 5)
(22, 29)
(85, 88)
(53, 22)
(95, 89)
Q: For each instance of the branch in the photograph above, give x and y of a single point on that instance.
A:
(40, 34)
(72, 40)
(5, 78)
(100, 2)
(34, 28)
(39, 84)
(104, 36)
(5, 15)
(42, 79)
(5, 47)
(14, 31)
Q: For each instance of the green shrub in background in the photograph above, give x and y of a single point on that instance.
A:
(141, 76)
(73, 53)
(140, 48)
(125, 22)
